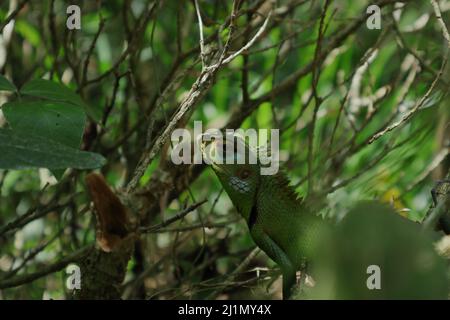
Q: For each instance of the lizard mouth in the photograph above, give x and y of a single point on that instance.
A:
(215, 152)
(205, 147)
(210, 151)
(222, 151)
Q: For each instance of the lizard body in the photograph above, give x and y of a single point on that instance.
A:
(279, 222)
(287, 229)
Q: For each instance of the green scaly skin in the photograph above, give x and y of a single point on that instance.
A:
(279, 222)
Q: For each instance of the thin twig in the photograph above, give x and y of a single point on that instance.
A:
(130, 47)
(33, 253)
(13, 14)
(318, 100)
(427, 94)
(245, 47)
(91, 50)
(178, 216)
(200, 30)
(197, 91)
(240, 268)
(27, 278)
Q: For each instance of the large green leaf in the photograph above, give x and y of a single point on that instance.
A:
(60, 121)
(19, 151)
(50, 90)
(5, 85)
(54, 91)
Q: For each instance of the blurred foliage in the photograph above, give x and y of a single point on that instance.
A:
(373, 235)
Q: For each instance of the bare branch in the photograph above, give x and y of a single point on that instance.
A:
(13, 14)
(245, 47)
(200, 29)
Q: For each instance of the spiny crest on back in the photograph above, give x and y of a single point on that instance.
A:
(287, 188)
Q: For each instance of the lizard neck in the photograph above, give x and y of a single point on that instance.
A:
(277, 189)
(274, 197)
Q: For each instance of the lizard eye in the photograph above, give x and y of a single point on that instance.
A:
(244, 174)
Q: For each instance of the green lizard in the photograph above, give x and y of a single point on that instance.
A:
(287, 229)
(279, 222)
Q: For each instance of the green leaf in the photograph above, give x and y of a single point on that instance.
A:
(59, 121)
(50, 90)
(5, 85)
(19, 151)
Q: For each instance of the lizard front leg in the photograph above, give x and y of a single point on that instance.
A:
(270, 247)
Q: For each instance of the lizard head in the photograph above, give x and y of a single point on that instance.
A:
(240, 177)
